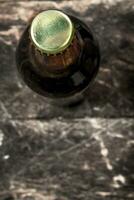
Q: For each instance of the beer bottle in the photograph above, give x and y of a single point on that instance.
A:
(58, 56)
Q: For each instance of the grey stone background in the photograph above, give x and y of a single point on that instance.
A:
(76, 153)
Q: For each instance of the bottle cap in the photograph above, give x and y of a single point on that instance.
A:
(52, 31)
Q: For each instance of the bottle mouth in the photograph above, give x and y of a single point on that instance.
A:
(52, 31)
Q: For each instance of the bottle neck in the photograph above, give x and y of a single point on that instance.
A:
(55, 65)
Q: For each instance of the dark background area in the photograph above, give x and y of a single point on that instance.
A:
(78, 153)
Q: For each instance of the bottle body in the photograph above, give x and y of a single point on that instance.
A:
(67, 83)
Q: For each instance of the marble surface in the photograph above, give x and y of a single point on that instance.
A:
(75, 153)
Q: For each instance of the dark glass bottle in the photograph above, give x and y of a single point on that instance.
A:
(62, 73)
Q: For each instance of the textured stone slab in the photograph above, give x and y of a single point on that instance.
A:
(67, 155)
(112, 94)
(66, 160)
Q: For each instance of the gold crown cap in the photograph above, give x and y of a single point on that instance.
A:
(52, 31)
